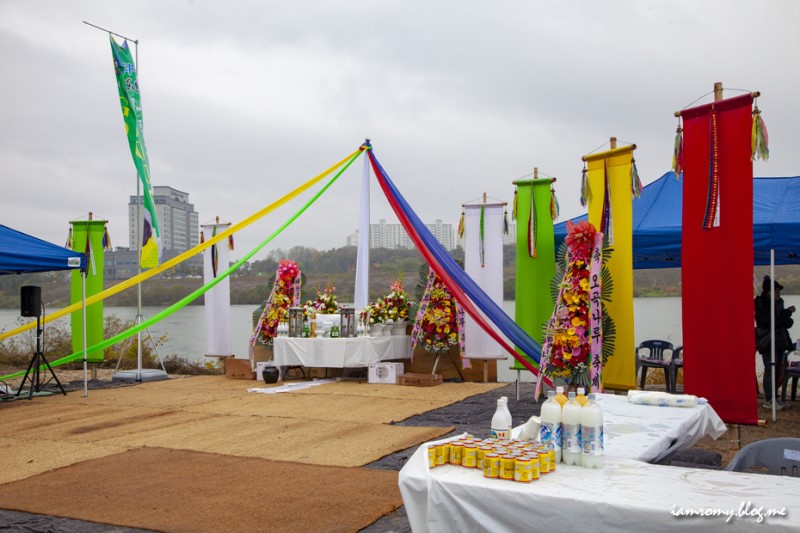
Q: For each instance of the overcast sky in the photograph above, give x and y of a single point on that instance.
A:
(243, 101)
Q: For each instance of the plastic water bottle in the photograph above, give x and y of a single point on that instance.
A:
(501, 421)
(592, 434)
(581, 397)
(571, 424)
(561, 398)
(550, 434)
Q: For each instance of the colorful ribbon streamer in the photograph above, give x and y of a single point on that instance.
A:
(187, 254)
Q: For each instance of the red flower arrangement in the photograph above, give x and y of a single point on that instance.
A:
(439, 327)
(285, 291)
(568, 331)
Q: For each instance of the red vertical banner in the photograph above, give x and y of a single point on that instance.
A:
(717, 265)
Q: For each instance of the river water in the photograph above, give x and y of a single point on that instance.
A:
(655, 318)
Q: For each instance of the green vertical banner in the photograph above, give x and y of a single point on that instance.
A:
(130, 100)
(87, 237)
(536, 262)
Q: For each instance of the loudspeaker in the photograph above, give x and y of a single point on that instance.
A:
(31, 300)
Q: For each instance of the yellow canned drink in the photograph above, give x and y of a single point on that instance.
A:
(544, 462)
(482, 451)
(535, 464)
(445, 453)
(523, 469)
(439, 454)
(469, 457)
(431, 456)
(491, 465)
(507, 467)
(456, 452)
(553, 460)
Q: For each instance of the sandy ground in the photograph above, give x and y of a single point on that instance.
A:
(470, 415)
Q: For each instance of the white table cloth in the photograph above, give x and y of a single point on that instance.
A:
(626, 495)
(649, 433)
(350, 352)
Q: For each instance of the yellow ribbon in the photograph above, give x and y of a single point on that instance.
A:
(185, 255)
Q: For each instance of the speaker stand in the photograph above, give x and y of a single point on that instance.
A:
(34, 368)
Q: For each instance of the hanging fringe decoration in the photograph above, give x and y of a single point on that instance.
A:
(759, 139)
(69, 240)
(482, 248)
(554, 207)
(214, 254)
(202, 237)
(106, 239)
(677, 152)
(532, 227)
(606, 223)
(636, 183)
(230, 242)
(586, 192)
(711, 217)
(460, 229)
(505, 222)
(514, 206)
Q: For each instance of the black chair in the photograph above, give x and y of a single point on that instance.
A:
(779, 457)
(654, 358)
(790, 372)
(677, 362)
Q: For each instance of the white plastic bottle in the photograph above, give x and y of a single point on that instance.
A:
(507, 413)
(571, 424)
(501, 421)
(592, 434)
(550, 430)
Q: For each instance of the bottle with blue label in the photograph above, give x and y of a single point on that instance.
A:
(550, 432)
(592, 434)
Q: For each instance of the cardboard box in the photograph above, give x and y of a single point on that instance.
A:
(238, 368)
(262, 353)
(420, 380)
(384, 373)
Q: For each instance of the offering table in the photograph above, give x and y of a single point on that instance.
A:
(347, 352)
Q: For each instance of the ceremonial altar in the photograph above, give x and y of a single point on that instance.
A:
(345, 352)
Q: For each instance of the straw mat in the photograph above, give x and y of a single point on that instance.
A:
(176, 491)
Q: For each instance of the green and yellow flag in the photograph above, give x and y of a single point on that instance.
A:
(128, 86)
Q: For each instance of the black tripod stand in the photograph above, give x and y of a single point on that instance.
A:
(34, 368)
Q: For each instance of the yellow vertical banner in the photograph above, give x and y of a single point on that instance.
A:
(613, 168)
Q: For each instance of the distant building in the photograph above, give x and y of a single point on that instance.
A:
(179, 228)
(394, 237)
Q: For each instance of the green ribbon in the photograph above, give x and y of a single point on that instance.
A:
(199, 292)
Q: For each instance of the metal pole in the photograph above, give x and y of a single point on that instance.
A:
(139, 317)
(772, 327)
(85, 365)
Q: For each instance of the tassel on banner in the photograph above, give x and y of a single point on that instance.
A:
(759, 139)
(69, 240)
(636, 183)
(106, 239)
(677, 153)
(482, 250)
(514, 206)
(505, 222)
(230, 242)
(532, 228)
(586, 192)
(554, 207)
(460, 229)
(202, 237)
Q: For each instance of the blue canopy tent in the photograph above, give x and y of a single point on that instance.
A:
(21, 253)
(657, 222)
